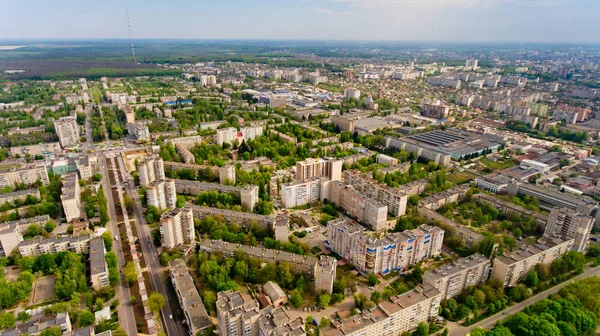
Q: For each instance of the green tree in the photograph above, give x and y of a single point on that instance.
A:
(209, 300)
(155, 302)
(131, 273)
(23, 316)
(324, 300)
(86, 318)
(531, 279)
(7, 320)
(108, 240)
(422, 329)
(296, 298)
(49, 226)
(372, 279)
(52, 331)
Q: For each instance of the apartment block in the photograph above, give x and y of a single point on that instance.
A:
(177, 227)
(185, 153)
(162, 194)
(27, 175)
(227, 173)
(359, 206)
(392, 252)
(471, 64)
(67, 131)
(453, 278)
(11, 233)
(353, 93)
(251, 132)
(299, 193)
(435, 110)
(197, 320)
(394, 198)
(150, 170)
(19, 196)
(400, 314)
(248, 194)
(244, 219)
(226, 135)
(37, 246)
(239, 317)
(513, 266)
(139, 130)
(98, 266)
(315, 168)
(325, 270)
(440, 199)
(568, 224)
(322, 269)
(70, 197)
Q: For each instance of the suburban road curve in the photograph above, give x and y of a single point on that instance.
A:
(489, 322)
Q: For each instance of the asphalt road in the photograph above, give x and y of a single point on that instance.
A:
(126, 315)
(489, 322)
(150, 255)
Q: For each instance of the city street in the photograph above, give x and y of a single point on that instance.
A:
(155, 270)
(488, 323)
(126, 315)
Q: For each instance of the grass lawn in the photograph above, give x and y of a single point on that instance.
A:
(499, 164)
(460, 177)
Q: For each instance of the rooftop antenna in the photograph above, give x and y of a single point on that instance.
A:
(130, 36)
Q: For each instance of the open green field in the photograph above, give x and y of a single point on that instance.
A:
(461, 177)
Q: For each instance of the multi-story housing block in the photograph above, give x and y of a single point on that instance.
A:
(568, 224)
(19, 196)
(394, 198)
(162, 194)
(177, 227)
(322, 270)
(196, 317)
(453, 278)
(27, 175)
(400, 314)
(299, 193)
(67, 131)
(248, 194)
(226, 135)
(70, 197)
(392, 252)
(435, 110)
(150, 170)
(513, 266)
(98, 266)
(37, 246)
(316, 168)
(359, 206)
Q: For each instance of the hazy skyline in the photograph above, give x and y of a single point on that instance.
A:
(401, 20)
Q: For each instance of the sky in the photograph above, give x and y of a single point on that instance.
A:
(574, 21)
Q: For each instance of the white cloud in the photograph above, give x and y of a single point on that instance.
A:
(328, 11)
(385, 5)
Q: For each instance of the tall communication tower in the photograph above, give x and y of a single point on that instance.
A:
(130, 36)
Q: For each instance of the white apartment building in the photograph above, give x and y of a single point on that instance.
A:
(226, 135)
(453, 278)
(67, 131)
(177, 227)
(359, 206)
(11, 233)
(27, 175)
(353, 93)
(315, 168)
(207, 80)
(251, 132)
(471, 64)
(227, 173)
(150, 170)
(400, 314)
(295, 194)
(161, 194)
(513, 266)
(395, 199)
(70, 196)
(568, 224)
(392, 252)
